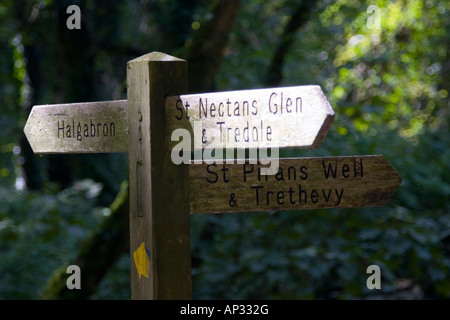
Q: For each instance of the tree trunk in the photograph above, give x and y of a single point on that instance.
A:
(97, 254)
(299, 17)
(205, 53)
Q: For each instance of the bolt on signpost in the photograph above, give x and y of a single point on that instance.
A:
(163, 193)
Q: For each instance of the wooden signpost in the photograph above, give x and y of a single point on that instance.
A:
(164, 194)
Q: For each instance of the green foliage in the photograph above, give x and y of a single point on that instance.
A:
(325, 253)
(390, 98)
(40, 232)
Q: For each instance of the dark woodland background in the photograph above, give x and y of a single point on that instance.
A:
(388, 85)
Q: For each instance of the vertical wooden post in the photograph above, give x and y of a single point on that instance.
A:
(159, 193)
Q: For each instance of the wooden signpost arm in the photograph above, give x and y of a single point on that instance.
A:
(159, 192)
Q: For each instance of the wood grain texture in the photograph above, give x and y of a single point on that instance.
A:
(261, 118)
(159, 192)
(301, 183)
(89, 127)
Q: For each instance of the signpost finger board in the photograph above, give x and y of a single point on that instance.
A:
(300, 183)
(260, 118)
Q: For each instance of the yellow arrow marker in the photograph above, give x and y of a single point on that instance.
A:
(141, 259)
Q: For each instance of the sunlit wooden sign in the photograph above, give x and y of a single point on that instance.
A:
(261, 118)
(91, 127)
